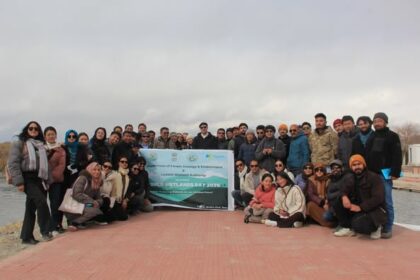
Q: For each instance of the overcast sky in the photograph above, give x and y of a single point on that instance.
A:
(84, 64)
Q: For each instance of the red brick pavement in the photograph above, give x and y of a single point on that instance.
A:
(214, 245)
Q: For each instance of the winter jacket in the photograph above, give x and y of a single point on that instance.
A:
(267, 161)
(139, 184)
(57, 164)
(100, 151)
(358, 147)
(335, 187)
(249, 186)
(316, 190)
(161, 143)
(247, 152)
(263, 197)
(18, 162)
(82, 189)
(345, 146)
(237, 142)
(121, 187)
(286, 141)
(222, 144)
(122, 149)
(298, 152)
(323, 144)
(384, 151)
(208, 143)
(290, 199)
(367, 191)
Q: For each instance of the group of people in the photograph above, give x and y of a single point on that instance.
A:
(334, 177)
(340, 178)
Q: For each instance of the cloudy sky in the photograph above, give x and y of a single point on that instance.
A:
(84, 64)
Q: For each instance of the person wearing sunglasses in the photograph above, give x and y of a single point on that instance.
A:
(302, 178)
(28, 167)
(57, 164)
(260, 130)
(108, 190)
(222, 143)
(204, 139)
(122, 181)
(298, 150)
(139, 188)
(145, 141)
(123, 149)
(238, 193)
(323, 142)
(280, 167)
(251, 182)
(316, 195)
(269, 150)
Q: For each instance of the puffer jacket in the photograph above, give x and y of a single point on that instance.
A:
(267, 161)
(57, 164)
(298, 152)
(290, 199)
(323, 145)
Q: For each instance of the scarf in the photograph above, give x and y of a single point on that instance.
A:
(72, 147)
(365, 136)
(36, 147)
(242, 175)
(96, 181)
(51, 146)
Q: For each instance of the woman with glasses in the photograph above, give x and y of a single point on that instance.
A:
(240, 172)
(122, 181)
(302, 178)
(316, 195)
(86, 190)
(57, 164)
(280, 167)
(138, 190)
(269, 150)
(108, 189)
(28, 167)
(98, 146)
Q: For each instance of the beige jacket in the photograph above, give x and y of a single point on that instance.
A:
(290, 199)
(248, 185)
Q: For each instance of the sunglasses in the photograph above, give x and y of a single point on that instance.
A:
(239, 165)
(279, 165)
(71, 136)
(33, 128)
(318, 170)
(253, 165)
(292, 130)
(136, 169)
(124, 161)
(106, 166)
(307, 167)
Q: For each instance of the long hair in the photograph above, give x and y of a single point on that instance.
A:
(24, 135)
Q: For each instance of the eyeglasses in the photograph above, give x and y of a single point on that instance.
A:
(124, 161)
(253, 165)
(279, 165)
(239, 165)
(71, 136)
(105, 166)
(33, 128)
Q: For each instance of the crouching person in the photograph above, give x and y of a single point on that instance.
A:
(86, 191)
(289, 208)
(262, 203)
(362, 205)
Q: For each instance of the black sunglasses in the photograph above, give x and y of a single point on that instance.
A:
(71, 136)
(106, 166)
(123, 161)
(33, 128)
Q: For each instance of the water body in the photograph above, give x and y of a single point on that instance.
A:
(12, 205)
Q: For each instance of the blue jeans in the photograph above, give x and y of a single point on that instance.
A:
(388, 204)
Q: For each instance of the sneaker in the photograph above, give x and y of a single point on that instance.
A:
(55, 233)
(376, 234)
(270, 223)
(297, 224)
(47, 237)
(101, 223)
(344, 232)
(337, 229)
(386, 234)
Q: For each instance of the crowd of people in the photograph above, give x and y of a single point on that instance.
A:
(337, 178)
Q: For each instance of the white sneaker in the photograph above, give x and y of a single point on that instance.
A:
(297, 224)
(270, 223)
(101, 223)
(54, 233)
(344, 232)
(376, 234)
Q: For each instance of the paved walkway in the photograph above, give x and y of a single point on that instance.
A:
(214, 245)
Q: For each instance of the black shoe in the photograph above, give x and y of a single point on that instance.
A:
(47, 237)
(31, 241)
(61, 230)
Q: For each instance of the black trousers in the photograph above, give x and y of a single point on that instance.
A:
(56, 194)
(286, 223)
(360, 222)
(36, 202)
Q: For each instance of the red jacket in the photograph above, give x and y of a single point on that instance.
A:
(265, 198)
(57, 164)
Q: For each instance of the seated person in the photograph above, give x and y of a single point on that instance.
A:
(289, 208)
(361, 208)
(302, 178)
(252, 180)
(262, 203)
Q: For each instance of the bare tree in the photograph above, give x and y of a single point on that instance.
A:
(409, 132)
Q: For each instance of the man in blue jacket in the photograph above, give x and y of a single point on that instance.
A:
(298, 150)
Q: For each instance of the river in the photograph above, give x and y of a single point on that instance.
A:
(12, 205)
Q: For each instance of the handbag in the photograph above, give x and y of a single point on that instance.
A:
(70, 205)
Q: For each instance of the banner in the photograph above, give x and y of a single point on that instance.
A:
(198, 179)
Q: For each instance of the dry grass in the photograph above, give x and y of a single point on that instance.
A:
(4, 153)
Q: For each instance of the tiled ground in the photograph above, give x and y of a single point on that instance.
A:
(214, 245)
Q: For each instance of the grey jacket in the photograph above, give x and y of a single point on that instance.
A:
(82, 189)
(345, 146)
(267, 161)
(18, 162)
